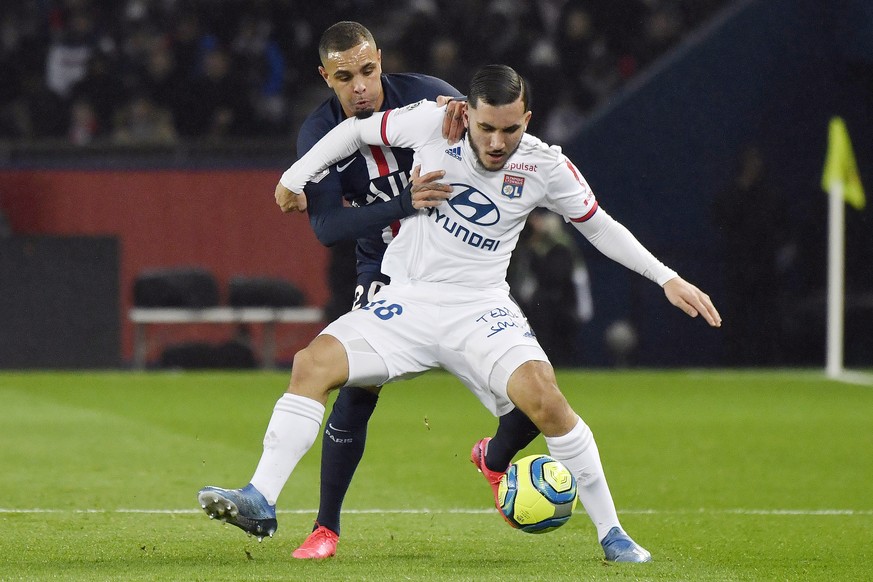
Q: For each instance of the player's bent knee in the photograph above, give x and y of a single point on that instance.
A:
(319, 367)
(543, 405)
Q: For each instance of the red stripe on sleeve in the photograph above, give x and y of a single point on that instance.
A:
(384, 124)
(588, 215)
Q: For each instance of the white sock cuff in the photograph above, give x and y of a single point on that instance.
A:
(301, 406)
(572, 444)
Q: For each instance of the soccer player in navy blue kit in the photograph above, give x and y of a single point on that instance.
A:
(375, 183)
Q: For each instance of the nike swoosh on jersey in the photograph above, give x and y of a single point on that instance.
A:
(332, 427)
(340, 168)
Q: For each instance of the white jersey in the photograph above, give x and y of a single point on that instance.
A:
(469, 239)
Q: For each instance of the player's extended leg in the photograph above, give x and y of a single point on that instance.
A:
(292, 430)
(534, 389)
(343, 441)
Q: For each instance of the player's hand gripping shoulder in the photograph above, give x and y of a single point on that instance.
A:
(453, 122)
(288, 201)
(691, 300)
(426, 191)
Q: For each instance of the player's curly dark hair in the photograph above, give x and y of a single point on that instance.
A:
(498, 85)
(342, 36)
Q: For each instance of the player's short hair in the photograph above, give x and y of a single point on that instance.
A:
(498, 85)
(342, 36)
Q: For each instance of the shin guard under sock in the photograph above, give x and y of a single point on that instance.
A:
(578, 451)
(292, 430)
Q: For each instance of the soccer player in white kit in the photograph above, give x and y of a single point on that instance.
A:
(448, 304)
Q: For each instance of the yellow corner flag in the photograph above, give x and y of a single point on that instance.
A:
(840, 166)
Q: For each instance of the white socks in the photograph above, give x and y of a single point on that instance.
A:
(296, 422)
(578, 451)
(292, 430)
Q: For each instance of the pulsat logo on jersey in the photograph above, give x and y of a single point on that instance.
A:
(520, 167)
(512, 186)
(474, 206)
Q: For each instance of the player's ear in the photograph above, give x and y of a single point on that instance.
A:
(323, 72)
(527, 117)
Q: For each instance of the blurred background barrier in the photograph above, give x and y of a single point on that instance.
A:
(191, 297)
(231, 354)
(192, 287)
(245, 324)
(59, 302)
(224, 221)
(263, 292)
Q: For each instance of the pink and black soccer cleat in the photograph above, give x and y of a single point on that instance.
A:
(320, 544)
(477, 456)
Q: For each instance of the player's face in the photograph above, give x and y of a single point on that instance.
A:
(354, 75)
(495, 131)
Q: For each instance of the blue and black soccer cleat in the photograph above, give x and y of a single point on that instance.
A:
(245, 508)
(619, 547)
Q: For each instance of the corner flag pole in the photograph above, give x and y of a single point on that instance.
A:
(836, 280)
(841, 181)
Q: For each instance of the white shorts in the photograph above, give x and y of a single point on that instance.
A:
(479, 336)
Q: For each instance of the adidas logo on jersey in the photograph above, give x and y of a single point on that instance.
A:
(455, 152)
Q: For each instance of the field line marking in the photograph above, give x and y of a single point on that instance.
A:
(702, 511)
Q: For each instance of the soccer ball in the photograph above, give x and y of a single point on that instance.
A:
(537, 494)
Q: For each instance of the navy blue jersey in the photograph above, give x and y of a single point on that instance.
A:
(370, 180)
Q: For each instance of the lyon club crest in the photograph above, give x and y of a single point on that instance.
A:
(512, 186)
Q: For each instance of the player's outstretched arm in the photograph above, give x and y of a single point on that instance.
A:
(453, 130)
(691, 300)
(347, 137)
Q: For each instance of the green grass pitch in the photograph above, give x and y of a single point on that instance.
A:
(722, 475)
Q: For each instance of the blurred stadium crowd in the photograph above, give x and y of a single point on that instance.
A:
(159, 71)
